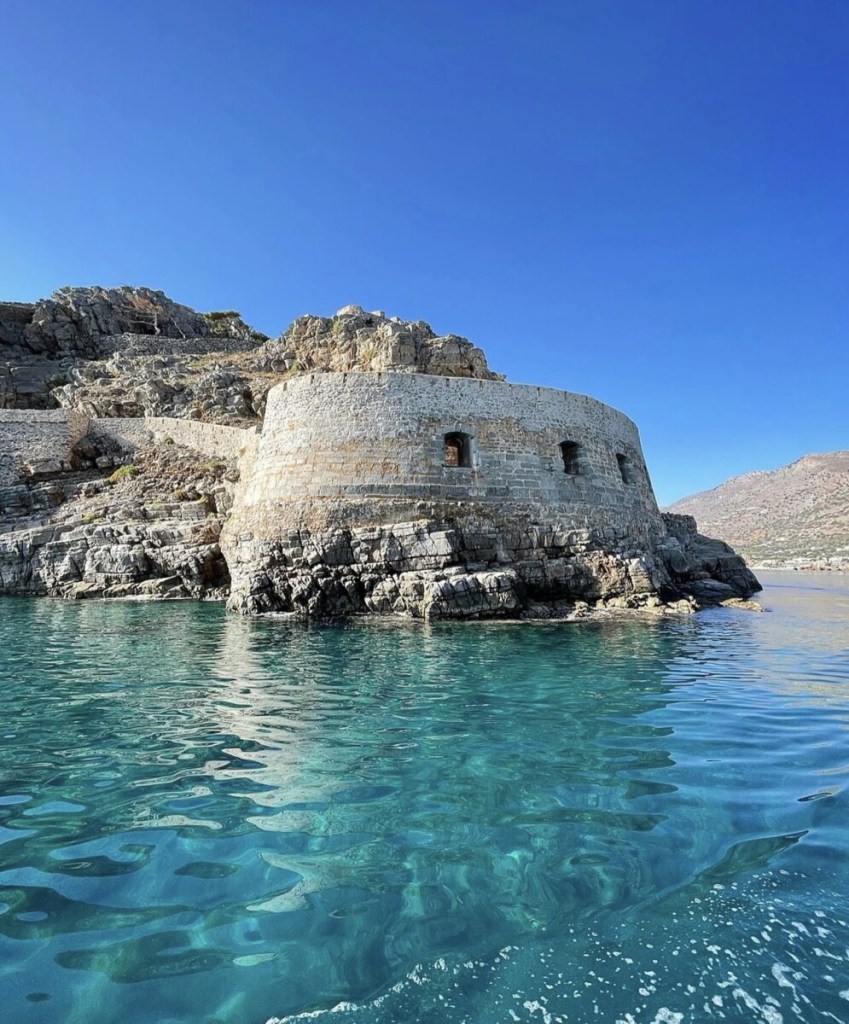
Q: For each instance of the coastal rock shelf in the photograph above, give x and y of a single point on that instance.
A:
(393, 472)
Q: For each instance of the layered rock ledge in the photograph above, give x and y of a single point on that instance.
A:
(432, 568)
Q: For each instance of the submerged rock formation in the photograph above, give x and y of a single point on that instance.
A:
(395, 473)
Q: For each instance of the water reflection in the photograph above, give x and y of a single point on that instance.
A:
(192, 794)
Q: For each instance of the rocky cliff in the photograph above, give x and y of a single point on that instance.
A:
(356, 340)
(118, 517)
(112, 338)
(130, 430)
(794, 516)
(135, 352)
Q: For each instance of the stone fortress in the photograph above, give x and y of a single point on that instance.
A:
(356, 464)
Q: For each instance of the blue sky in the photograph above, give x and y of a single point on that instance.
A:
(642, 200)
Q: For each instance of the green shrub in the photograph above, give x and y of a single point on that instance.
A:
(223, 314)
(124, 473)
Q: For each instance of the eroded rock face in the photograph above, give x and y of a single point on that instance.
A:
(199, 379)
(83, 346)
(153, 532)
(706, 569)
(134, 351)
(73, 320)
(478, 569)
(353, 339)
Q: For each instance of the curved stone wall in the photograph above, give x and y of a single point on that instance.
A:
(380, 437)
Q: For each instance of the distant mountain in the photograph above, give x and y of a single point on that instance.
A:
(796, 515)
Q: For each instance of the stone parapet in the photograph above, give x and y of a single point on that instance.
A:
(210, 438)
(40, 441)
(37, 441)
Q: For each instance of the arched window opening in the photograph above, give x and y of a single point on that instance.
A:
(457, 450)
(626, 469)
(570, 452)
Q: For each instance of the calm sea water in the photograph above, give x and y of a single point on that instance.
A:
(208, 819)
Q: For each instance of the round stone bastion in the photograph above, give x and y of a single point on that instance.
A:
(442, 496)
(391, 440)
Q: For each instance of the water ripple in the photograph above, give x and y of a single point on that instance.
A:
(207, 819)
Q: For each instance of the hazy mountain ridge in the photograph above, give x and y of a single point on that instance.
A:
(795, 515)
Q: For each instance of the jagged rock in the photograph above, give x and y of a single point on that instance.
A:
(87, 346)
(133, 538)
(376, 522)
(692, 559)
(353, 339)
(73, 320)
(133, 351)
(424, 570)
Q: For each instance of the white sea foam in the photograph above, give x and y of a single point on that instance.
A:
(583, 977)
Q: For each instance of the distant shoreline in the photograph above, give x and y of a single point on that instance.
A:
(798, 568)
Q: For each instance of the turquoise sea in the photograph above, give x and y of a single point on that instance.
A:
(210, 820)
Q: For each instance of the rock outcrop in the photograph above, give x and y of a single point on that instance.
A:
(356, 340)
(198, 379)
(74, 320)
(92, 340)
(395, 473)
(431, 569)
(135, 352)
(143, 524)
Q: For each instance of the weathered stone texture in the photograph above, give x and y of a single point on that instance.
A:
(350, 506)
(210, 438)
(124, 351)
(73, 320)
(382, 435)
(38, 442)
(150, 530)
(353, 339)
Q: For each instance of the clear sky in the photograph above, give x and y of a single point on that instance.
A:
(643, 200)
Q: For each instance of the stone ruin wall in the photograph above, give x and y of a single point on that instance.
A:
(44, 439)
(212, 439)
(376, 440)
(352, 506)
(374, 444)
